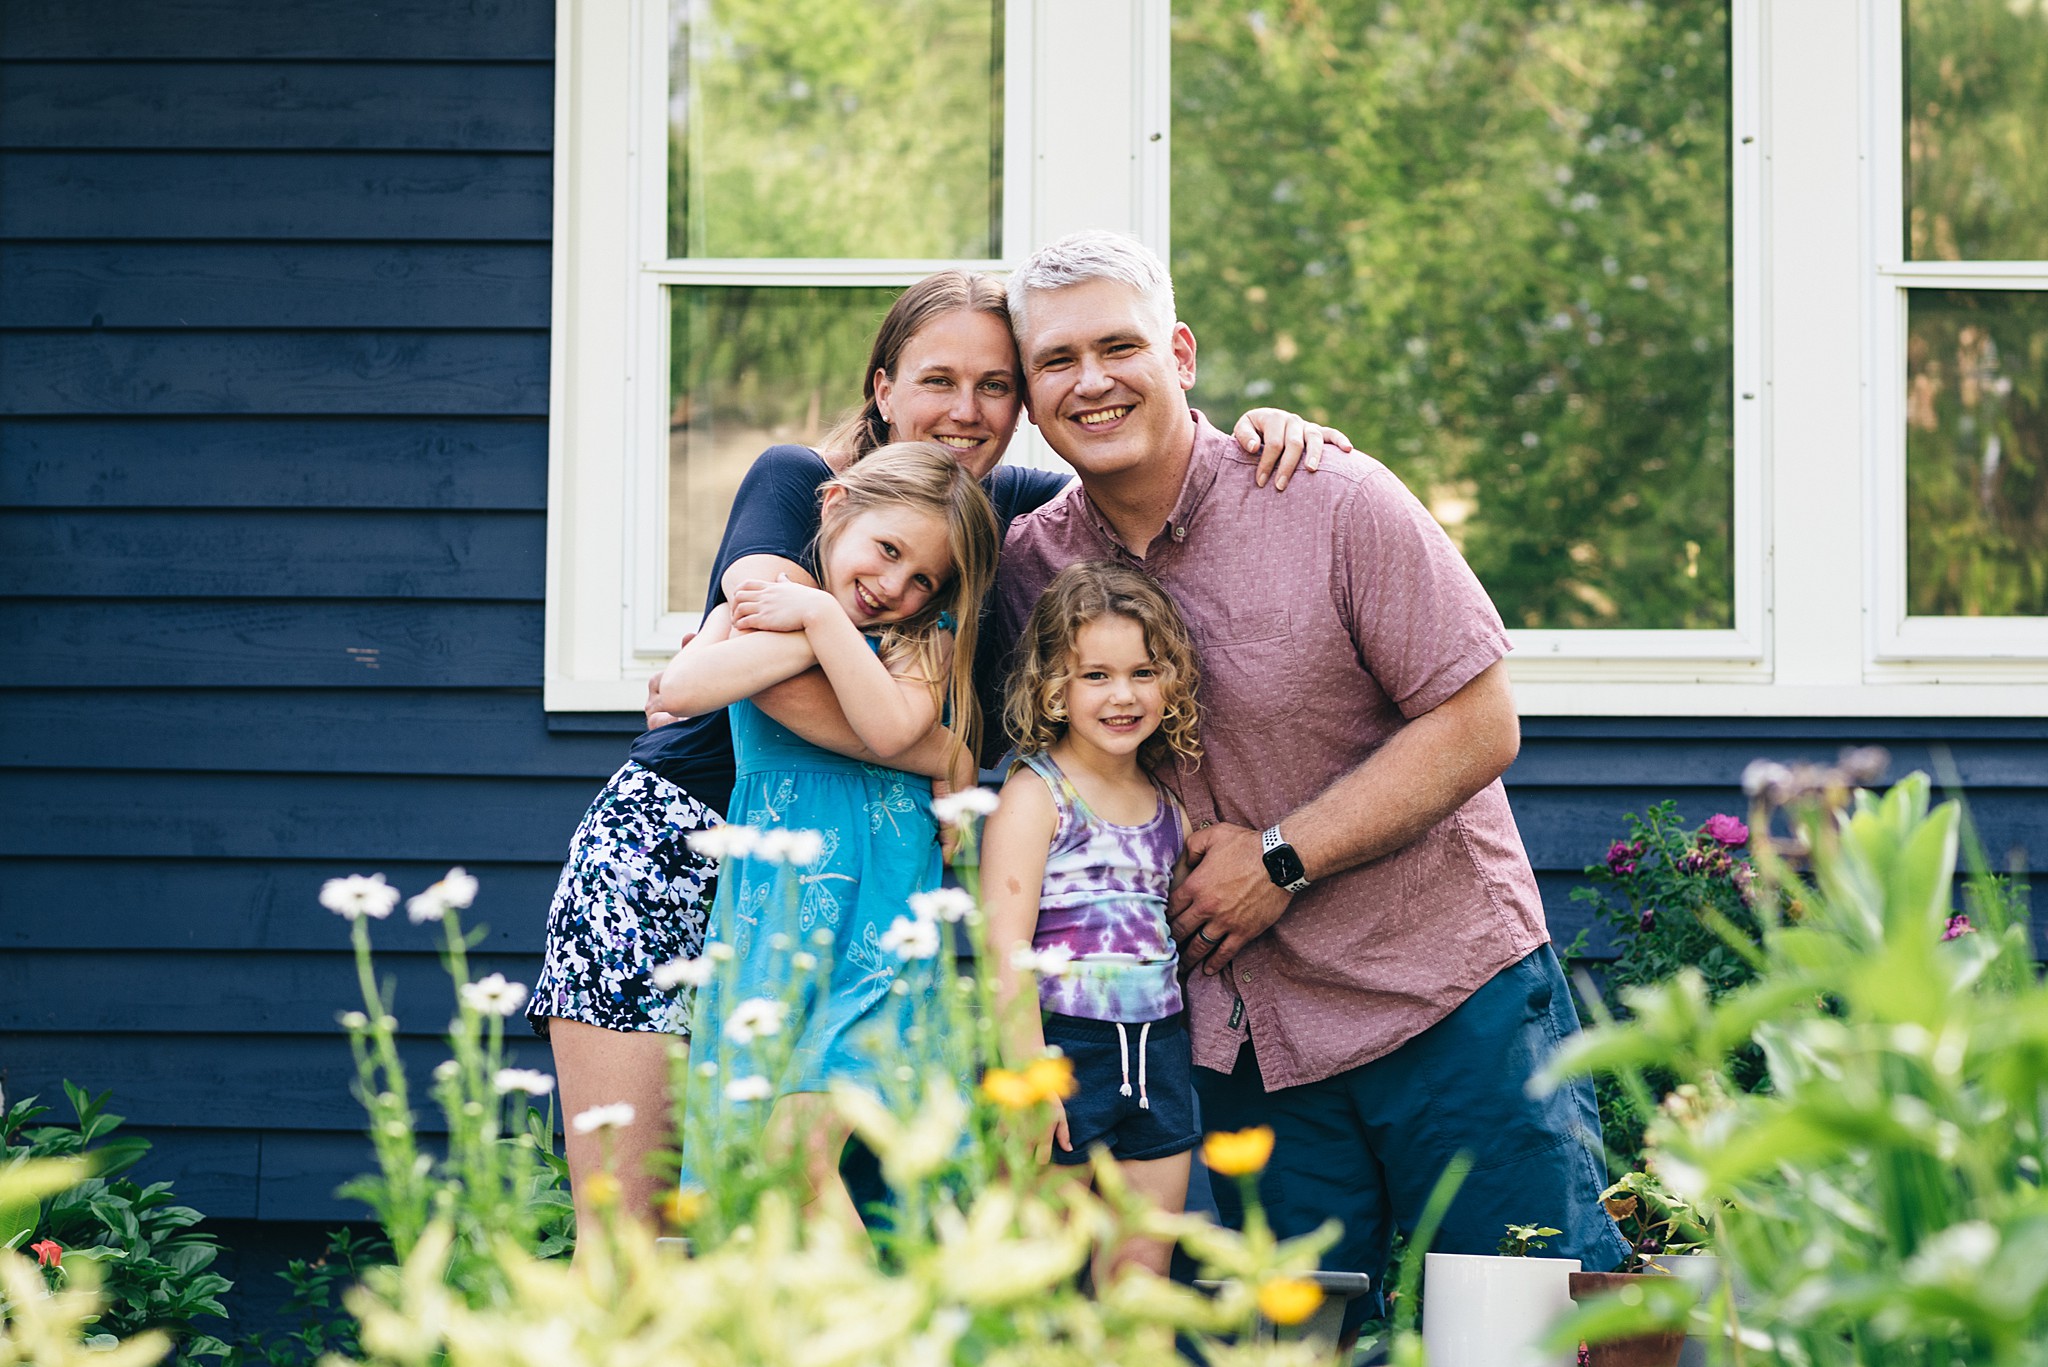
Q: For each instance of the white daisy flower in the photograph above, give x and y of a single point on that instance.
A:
(357, 896)
(943, 904)
(749, 1089)
(493, 996)
(1051, 962)
(453, 893)
(800, 848)
(956, 809)
(616, 1116)
(683, 973)
(911, 937)
(525, 1080)
(728, 841)
(756, 1016)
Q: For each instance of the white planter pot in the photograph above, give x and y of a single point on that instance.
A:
(1480, 1311)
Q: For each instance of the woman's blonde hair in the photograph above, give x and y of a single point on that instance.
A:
(1035, 699)
(924, 475)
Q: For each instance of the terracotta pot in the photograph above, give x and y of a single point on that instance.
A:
(1644, 1350)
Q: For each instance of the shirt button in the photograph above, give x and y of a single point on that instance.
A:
(1245, 976)
(1180, 533)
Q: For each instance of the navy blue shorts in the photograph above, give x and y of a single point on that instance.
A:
(1137, 1104)
(1368, 1144)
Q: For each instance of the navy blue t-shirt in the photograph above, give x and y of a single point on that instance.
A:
(775, 512)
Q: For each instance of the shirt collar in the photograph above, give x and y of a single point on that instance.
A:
(1203, 464)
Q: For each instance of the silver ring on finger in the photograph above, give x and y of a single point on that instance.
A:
(1207, 938)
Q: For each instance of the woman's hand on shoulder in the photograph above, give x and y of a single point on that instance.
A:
(1283, 441)
(781, 605)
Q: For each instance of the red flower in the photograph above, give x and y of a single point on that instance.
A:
(1622, 856)
(49, 1253)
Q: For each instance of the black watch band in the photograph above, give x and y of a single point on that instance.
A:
(1283, 865)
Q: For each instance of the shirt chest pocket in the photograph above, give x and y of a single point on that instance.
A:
(1251, 674)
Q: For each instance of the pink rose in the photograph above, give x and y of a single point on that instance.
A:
(1726, 829)
(49, 1253)
(1958, 926)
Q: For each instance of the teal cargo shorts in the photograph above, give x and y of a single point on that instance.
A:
(1367, 1145)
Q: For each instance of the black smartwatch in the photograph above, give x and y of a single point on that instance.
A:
(1283, 865)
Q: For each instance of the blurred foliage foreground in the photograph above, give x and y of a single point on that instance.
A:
(1880, 1203)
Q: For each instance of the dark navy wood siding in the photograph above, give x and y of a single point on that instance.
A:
(273, 460)
(273, 367)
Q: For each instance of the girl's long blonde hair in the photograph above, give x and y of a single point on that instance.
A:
(925, 476)
(1035, 698)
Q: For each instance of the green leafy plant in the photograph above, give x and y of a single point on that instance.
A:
(1658, 1224)
(981, 1262)
(1883, 1201)
(315, 1301)
(1674, 896)
(1522, 1240)
(151, 1264)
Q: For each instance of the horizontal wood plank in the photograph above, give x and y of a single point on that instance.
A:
(263, 553)
(320, 196)
(126, 991)
(353, 731)
(373, 373)
(359, 821)
(226, 1081)
(181, 905)
(273, 286)
(346, 462)
(432, 106)
(161, 30)
(278, 644)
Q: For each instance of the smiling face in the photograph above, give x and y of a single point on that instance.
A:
(886, 563)
(1113, 694)
(955, 384)
(1107, 378)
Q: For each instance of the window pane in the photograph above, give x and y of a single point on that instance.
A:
(1491, 243)
(749, 368)
(835, 128)
(1977, 454)
(1976, 130)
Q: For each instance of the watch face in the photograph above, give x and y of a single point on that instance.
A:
(1283, 865)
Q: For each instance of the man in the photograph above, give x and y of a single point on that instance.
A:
(1369, 968)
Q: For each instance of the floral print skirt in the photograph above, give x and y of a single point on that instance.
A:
(632, 896)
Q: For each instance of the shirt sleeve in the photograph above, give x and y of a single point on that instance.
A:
(1420, 619)
(1016, 489)
(775, 512)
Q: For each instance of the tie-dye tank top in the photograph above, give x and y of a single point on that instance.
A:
(1105, 899)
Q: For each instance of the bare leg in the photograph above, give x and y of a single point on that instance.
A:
(806, 1125)
(597, 1067)
(1164, 1183)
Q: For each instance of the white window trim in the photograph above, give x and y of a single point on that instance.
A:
(1809, 634)
(1903, 646)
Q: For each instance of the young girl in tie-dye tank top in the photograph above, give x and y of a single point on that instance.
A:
(1076, 867)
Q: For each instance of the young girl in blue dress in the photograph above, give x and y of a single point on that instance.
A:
(906, 550)
(1077, 863)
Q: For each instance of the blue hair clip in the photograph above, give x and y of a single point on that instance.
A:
(947, 621)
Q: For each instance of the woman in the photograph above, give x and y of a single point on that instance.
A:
(633, 896)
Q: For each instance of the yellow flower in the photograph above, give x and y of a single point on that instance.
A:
(1051, 1078)
(684, 1206)
(1289, 1300)
(1044, 1079)
(1011, 1091)
(1235, 1153)
(603, 1189)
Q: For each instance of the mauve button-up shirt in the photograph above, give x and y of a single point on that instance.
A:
(1326, 618)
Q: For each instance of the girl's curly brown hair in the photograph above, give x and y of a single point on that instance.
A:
(1034, 701)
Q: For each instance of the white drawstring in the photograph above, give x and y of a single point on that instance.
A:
(1123, 1048)
(1144, 1101)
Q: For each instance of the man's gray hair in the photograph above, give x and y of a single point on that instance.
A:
(1080, 257)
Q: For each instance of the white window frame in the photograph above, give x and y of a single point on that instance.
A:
(1902, 645)
(1818, 462)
